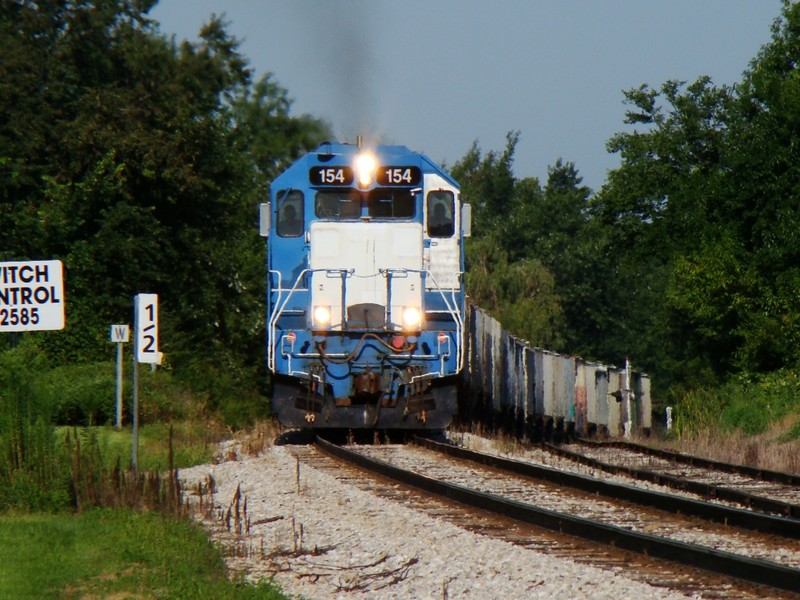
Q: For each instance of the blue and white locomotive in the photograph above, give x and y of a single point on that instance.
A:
(365, 296)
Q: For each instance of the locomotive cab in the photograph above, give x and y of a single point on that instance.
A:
(365, 298)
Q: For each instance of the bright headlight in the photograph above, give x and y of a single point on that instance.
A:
(411, 316)
(365, 168)
(322, 315)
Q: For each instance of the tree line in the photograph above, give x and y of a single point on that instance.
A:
(687, 259)
(139, 162)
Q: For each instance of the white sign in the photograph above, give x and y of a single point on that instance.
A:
(120, 333)
(146, 312)
(31, 295)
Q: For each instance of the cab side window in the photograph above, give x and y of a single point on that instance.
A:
(291, 216)
(441, 211)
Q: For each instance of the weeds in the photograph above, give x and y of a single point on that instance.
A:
(751, 420)
(44, 467)
(749, 404)
(254, 440)
(145, 547)
(234, 525)
(34, 472)
(768, 450)
(95, 486)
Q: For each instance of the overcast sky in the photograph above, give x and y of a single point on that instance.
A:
(437, 75)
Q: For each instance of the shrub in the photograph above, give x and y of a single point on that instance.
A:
(34, 468)
(696, 410)
(756, 401)
(748, 403)
(80, 394)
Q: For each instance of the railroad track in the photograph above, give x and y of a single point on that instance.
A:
(757, 489)
(625, 520)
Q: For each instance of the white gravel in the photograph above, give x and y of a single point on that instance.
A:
(332, 540)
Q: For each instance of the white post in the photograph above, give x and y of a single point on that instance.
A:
(669, 418)
(119, 387)
(119, 335)
(135, 411)
(145, 349)
(628, 421)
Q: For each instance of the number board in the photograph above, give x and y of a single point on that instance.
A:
(399, 176)
(31, 295)
(341, 175)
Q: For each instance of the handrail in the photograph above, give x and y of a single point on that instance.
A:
(452, 309)
(282, 300)
(271, 326)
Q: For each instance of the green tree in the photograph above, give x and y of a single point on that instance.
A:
(659, 206)
(703, 216)
(487, 182)
(763, 197)
(140, 163)
(520, 294)
(504, 275)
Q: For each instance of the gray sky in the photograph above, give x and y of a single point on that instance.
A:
(436, 75)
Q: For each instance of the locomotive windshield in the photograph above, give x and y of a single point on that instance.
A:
(380, 204)
(338, 204)
(391, 204)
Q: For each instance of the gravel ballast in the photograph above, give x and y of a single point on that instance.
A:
(329, 539)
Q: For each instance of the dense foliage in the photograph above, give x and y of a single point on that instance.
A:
(707, 196)
(688, 258)
(140, 163)
(34, 466)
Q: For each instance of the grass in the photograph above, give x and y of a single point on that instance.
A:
(750, 404)
(194, 443)
(776, 449)
(77, 523)
(752, 420)
(122, 553)
(114, 554)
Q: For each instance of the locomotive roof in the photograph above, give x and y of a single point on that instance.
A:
(336, 153)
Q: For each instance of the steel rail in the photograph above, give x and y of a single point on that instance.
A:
(697, 461)
(708, 511)
(791, 512)
(752, 570)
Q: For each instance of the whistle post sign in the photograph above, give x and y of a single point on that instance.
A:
(31, 295)
(120, 334)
